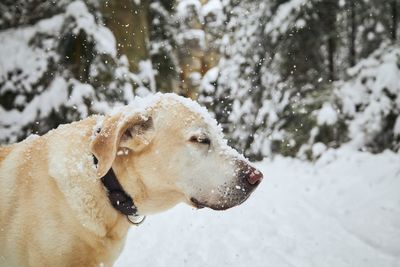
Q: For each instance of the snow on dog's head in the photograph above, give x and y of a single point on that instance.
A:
(167, 149)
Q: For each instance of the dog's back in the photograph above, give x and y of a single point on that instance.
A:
(22, 179)
(4, 151)
(38, 225)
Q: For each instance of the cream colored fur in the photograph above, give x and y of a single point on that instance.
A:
(54, 210)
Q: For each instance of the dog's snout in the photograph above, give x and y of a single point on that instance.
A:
(250, 174)
(254, 177)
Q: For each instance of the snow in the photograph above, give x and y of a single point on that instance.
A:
(396, 129)
(301, 23)
(43, 104)
(327, 115)
(30, 65)
(212, 6)
(281, 20)
(209, 78)
(339, 211)
(193, 35)
(103, 37)
(30, 61)
(41, 82)
(39, 107)
(195, 78)
(318, 149)
(80, 92)
(147, 74)
(184, 6)
(140, 104)
(371, 94)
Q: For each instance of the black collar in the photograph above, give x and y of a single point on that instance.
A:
(119, 199)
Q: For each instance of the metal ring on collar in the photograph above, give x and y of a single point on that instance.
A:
(136, 219)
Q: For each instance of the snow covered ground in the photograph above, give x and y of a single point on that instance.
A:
(343, 210)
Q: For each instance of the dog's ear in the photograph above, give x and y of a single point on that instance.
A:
(134, 132)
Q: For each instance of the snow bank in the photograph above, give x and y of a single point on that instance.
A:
(340, 211)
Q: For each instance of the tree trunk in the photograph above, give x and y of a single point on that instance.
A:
(327, 11)
(331, 56)
(330, 17)
(352, 35)
(394, 20)
(129, 23)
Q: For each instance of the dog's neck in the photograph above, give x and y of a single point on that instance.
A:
(120, 200)
(134, 175)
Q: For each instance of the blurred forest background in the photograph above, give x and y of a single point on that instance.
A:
(291, 77)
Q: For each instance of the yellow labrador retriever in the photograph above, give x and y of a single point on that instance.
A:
(67, 198)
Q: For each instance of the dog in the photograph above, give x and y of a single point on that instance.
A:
(68, 198)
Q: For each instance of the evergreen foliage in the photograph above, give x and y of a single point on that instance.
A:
(293, 77)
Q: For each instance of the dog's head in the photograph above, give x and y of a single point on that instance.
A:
(172, 151)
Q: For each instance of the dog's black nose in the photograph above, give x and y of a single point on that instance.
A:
(250, 174)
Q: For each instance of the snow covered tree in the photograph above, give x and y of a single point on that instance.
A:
(162, 45)
(364, 26)
(98, 53)
(233, 89)
(370, 100)
(64, 66)
(266, 74)
(274, 86)
(27, 12)
(128, 21)
(274, 73)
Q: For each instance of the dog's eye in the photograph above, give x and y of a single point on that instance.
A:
(200, 139)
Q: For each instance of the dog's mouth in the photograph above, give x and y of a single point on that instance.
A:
(220, 205)
(199, 204)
